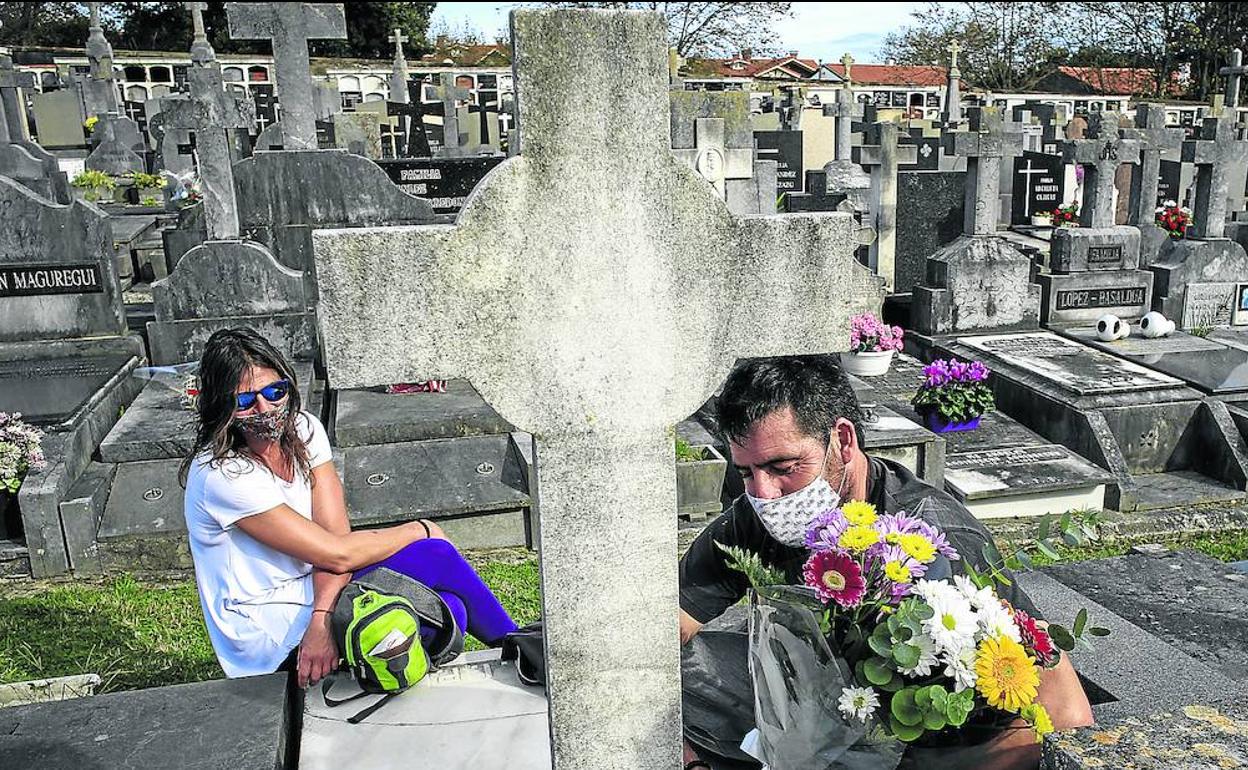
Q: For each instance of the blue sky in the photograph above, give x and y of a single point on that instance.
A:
(818, 30)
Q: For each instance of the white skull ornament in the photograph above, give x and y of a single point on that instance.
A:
(1110, 327)
(1154, 325)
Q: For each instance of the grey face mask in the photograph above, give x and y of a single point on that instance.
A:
(265, 426)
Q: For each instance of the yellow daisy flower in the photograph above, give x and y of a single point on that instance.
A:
(859, 513)
(858, 538)
(897, 572)
(918, 547)
(1007, 677)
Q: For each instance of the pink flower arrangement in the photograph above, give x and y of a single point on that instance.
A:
(867, 334)
(20, 450)
(835, 578)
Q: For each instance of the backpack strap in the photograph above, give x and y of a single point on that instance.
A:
(360, 715)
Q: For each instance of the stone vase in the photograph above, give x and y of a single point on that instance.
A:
(871, 364)
(1039, 221)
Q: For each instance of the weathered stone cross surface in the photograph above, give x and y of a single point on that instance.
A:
(201, 49)
(596, 327)
(1150, 130)
(1219, 146)
(454, 139)
(399, 72)
(1234, 69)
(953, 95)
(290, 26)
(1100, 153)
(845, 109)
(14, 128)
(712, 159)
(985, 142)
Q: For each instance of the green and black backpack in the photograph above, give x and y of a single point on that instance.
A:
(377, 623)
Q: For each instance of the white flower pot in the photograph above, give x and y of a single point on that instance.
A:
(1039, 221)
(867, 364)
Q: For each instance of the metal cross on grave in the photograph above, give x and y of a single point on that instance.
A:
(846, 109)
(1150, 129)
(712, 160)
(1233, 71)
(596, 327)
(290, 26)
(984, 144)
(1219, 145)
(454, 138)
(1102, 150)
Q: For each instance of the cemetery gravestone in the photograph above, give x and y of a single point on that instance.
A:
(952, 114)
(930, 214)
(842, 174)
(445, 184)
(1155, 139)
(65, 356)
(100, 94)
(290, 26)
(58, 120)
(785, 148)
(1039, 185)
(979, 281)
(711, 133)
(114, 155)
(455, 143)
(882, 159)
(359, 133)
(490, 310)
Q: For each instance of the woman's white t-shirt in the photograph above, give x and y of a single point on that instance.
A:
(257, 601)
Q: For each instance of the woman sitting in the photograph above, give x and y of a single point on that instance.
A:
(268, 526)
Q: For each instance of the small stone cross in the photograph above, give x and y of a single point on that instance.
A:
(596, 327)
(398, 71)
(454, 139)
(98, 49)
(201, 49)
(847, 62)
(985, 142)
(1234, 69)
(953, 94)
(1100, 152)
(846, 109)
(712, 160)
(398, 38)
(1150, 130)
(1219, 146)
(290, 26)
(953, 49)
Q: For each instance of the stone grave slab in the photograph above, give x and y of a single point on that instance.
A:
(235, 723)
(1123, 670)
(55, 394)
(930, 213)
(894, 436)
(58, 119)
(365, 417)
(472, 713)
(1187, 599)
(1076, 250)
(1193, 736)
(1205, 363)
(1066, 365)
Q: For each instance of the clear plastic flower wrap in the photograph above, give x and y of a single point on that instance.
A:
(182, 379)
(797, 684)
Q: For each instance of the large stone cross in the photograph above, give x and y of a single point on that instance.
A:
(1102, 150)
(454, 139)
(290, 26)
(1154, 138)
(399, 72)
(596, 292)
(883, 160)
(847, 62)
(211, 112)
(984, 144)
(846, 110)
(1219, 146)
(11, 102)
(100, 94)
(201, 49)
(1233, 71)
(953, 93)
(712, 159)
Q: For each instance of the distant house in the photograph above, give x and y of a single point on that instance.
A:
(451, 52)
(1100, 81)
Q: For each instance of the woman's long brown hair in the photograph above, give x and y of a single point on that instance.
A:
(227, 356)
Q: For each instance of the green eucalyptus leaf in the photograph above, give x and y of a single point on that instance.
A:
(907, 655)
(903, 732)
(880, 645)
(1081, 622)
(876, 671)
(923, 698)
(933, 720)
(1043, 547)
(1099, 631)
(1061, 637)
(904, 709)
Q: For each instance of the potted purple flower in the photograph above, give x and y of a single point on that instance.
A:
(872, 345)
(954, 395)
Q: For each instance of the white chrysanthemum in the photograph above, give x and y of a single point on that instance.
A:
(953, 623)
(858, 702)
(978, 597)
(995, 620)
(929, 656)
(960, 667)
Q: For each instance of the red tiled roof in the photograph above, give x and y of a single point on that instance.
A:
(750, 68)
(1126, 81)
(468, 55)
(893, 74)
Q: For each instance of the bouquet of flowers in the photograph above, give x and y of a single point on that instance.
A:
(1174, 219)
(20, 450)
(920, 659)
(1066, 215)
(955, 390)
(867, 334)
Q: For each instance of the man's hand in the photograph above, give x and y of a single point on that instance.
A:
(318, 655)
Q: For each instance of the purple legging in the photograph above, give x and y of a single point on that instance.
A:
(439, 566)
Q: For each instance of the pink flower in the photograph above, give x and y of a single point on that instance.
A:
(1036, 639)
(835, 578)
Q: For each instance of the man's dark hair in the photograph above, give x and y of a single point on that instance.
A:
(814, 387)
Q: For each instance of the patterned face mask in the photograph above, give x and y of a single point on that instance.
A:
(788, 517)
(265, 426)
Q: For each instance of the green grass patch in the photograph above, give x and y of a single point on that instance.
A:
(138, 632)
(1223, 546)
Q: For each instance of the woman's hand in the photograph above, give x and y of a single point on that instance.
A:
(318, 655)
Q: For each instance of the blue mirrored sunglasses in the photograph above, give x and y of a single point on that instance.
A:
(273, 392)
